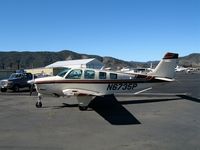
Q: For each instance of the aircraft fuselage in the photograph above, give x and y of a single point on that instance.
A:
(123, 83)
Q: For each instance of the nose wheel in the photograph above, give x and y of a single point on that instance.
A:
(38, 104)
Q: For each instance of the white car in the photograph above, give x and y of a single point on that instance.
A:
(3, 85)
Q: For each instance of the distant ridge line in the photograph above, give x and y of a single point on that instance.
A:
(29, 59)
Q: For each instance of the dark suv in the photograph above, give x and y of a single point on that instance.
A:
(19, 80)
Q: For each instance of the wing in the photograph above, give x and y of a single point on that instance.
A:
(76, 92)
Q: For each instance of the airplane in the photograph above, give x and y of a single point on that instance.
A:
(86, 84)
(139, 70)
(183, 69)
(180, 69)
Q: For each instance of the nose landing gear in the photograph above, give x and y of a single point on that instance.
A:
(39, 101)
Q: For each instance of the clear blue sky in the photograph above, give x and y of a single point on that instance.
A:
(137, 30)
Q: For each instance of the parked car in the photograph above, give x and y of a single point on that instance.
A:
(16, 81)
(3, 85)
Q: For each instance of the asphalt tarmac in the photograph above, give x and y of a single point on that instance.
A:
(167, 117)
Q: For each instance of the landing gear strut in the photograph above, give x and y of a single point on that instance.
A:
(39, 102)
(84, 101)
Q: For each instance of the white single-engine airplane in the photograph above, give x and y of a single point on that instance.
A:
(86, 84)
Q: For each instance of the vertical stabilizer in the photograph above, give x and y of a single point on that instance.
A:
(166, 67)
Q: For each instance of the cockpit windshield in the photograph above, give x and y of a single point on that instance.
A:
(63, 73)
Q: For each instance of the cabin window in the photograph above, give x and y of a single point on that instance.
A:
(113, 76)
(74, 74)
(62, 73)
(102, 75)
(89, 74)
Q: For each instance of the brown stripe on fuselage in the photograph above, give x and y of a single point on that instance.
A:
(137, 79)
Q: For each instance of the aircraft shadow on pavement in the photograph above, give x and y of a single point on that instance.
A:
(187, 97)
(64, 105)
(142, 101)
(111, 110)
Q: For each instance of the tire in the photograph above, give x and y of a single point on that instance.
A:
(16, 88)
(3, 89)
(38, 104)
(83, 108)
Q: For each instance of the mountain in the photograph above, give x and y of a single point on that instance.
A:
(192, 60)
(19, 60)
(16, 60)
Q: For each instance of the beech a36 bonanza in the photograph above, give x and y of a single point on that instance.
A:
(86, 84)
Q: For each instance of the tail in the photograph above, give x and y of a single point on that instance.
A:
(165, 70)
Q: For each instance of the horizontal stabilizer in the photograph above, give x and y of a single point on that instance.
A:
(164, 79)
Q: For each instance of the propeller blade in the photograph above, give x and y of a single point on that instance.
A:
(31, 89)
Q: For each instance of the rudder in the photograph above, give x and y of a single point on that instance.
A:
(166, 67)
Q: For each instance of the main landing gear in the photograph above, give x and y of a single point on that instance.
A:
(83, 108)
(39, 102)
(84, 101)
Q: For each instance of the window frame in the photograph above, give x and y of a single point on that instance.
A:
(113, 76)
(89, 76)
(102, 77)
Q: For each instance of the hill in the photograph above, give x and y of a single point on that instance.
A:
(192, 60)
(19, 60)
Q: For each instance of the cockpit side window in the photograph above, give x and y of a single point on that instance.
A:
(74, 74)
(113, 76)
(89, 74)
(102, 75)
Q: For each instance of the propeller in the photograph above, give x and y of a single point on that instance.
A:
(31, 89)
(32, 85)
